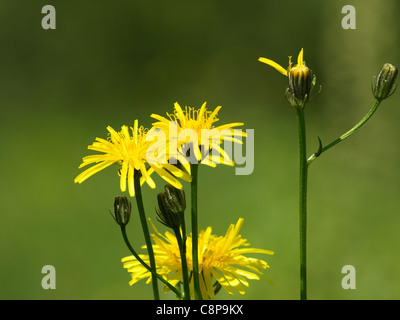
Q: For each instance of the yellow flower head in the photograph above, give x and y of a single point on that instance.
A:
(128, 150)
(301, 80)
(221, 261)
(196, 126)
(300, 64)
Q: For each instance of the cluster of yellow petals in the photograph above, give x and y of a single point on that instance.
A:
(129, 151)
(221, 258)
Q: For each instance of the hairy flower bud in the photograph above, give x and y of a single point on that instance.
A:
(122, 210)
(385, 85)
(171, 204)
(300, 85)
(301, 80)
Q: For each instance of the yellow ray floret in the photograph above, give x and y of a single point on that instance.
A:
(278, 67)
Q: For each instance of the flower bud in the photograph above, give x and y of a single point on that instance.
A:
(300, 85)
(122, 210)
(384, 85)
(171, 204)
(176, 198)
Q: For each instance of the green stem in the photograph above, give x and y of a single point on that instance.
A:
(302, 203)
(347, 134)
(146, 233)
(182, 247)
(124, 235)
(195, 236)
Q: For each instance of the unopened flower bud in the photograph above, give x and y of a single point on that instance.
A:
(385, 82)
(171, 204)
(176, 198)
(300, 85)
(122, 210)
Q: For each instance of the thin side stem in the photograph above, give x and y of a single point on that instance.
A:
(302, 202)
(128, 244)
(347, 134)
(195, 235)
(146, 233)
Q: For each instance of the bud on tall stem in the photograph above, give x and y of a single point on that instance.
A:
(385, 82)
(122, 210)
(300, 85)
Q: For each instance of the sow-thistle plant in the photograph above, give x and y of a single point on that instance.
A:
(300, 87)
(196, 126)
(191, 266)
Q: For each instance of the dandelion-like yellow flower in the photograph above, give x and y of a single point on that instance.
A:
(196, 128)
(129, 151)
(221, 259)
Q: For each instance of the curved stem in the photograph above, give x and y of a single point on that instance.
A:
(194, 167)
(347, 134)
(146, 233)
(124, 235)
(302, 203)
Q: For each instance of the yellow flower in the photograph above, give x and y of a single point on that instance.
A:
(196, 126)
(300, 64)
(221, 259)
(129, 152)
(301, 80)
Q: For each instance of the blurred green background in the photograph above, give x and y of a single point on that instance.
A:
(108, 63)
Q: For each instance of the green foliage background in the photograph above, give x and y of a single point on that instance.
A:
(108, 63)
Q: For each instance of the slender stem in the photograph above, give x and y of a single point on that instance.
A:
(182, 247)
(146, 233)
(348, 133)
(128, 244)
(302, 203)
(194, 167)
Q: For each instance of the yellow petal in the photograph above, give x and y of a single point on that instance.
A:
(234, 140)
(146, 176)
(224, 156)
(124, 172)
(224, 284)
(203, 289)
(208, 283)
(179, 111)
(253, 250)
(177, 172)
(300, 58)
(234, 282)
(166, 176)
(92, 170)
(131, 184)
(248, 274)
(159, 118)
(229, 125)
(274, 65)
(202, 110)
(135, 130)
